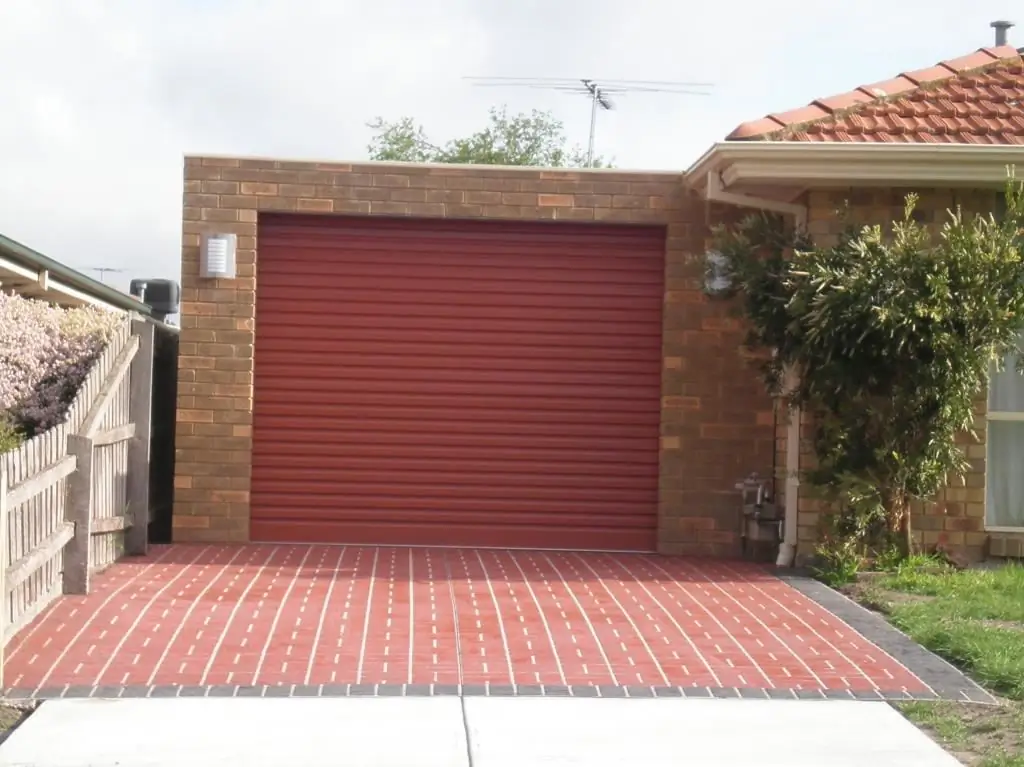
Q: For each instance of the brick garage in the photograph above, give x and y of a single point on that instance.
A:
(716, 424)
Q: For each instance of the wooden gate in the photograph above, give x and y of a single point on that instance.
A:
(74, 499)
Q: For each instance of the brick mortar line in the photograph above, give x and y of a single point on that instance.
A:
(472, 690)
(948, 682)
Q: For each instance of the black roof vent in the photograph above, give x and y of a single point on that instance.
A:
(162, 296)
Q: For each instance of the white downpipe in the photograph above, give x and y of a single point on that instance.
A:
(787, 551)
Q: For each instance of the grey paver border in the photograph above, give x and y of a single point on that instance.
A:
(464, 691)
(948, 682)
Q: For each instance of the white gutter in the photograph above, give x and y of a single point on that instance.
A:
(715, 192)
(811, 163)
(48, 285)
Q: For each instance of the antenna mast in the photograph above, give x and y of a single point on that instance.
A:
(597, 98)
(599, 92)
(102, 271)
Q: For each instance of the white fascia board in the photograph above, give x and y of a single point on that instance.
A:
(48, 288)
(798, 163)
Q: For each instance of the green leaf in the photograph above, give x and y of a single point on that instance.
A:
(894, 328)
(529, 139)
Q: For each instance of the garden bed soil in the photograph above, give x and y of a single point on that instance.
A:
(866, 591)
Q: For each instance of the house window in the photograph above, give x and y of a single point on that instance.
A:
(1000, 210)
(1004, 501)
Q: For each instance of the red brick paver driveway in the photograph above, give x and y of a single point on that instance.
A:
(200, 616)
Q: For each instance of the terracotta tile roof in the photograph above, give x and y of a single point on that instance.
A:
(975, 99)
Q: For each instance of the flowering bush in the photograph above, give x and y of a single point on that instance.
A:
(45, 354)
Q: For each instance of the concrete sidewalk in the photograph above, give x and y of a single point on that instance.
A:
(466, 732)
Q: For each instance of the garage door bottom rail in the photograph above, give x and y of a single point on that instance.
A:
(287, 620)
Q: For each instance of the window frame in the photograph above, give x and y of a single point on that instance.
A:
(1002, 416)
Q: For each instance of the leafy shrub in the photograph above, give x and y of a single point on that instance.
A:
(837, 559)
(890, 335)
(45, 354)
(10, 437)
(890, 559)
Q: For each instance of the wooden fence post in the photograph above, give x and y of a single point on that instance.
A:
(5, 596)
(140, 408)
(79, 512)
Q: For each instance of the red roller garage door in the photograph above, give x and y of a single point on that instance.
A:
(477, 383)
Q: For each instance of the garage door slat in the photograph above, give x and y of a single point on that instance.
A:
(462, 271)
(552, 332)
(466, 345)
(327, 402)
(500, 287)
(311, 383)
(447, 509)
(629, 319)
(496, 439)
(308, 453)
(288, 412)
(456, 371)
(496, 474)
(593, 429)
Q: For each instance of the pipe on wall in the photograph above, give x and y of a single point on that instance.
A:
(787, 550)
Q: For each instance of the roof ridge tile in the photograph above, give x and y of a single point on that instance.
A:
(921, 76)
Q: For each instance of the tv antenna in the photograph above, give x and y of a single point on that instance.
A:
(103, 270)
(599, 92)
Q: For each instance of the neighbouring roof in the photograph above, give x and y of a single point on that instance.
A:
(974, 99)
(33, 275)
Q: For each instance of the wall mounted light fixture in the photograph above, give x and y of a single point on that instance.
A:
(217, 256)
(717, 277)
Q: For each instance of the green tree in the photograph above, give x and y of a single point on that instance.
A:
(893, 336)
(535, 139)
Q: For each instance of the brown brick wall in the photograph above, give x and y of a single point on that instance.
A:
(957, 516)
(717, 424)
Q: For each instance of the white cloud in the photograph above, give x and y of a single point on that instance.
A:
(101, 98)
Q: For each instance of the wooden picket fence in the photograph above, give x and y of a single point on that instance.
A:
(74, 499)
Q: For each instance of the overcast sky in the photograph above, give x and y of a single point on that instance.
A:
(100, 99)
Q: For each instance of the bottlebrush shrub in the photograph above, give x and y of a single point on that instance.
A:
(45, 354)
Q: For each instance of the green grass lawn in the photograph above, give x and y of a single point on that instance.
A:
(975, 619)
(11, 716)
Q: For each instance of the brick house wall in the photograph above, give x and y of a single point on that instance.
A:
(957, 517)
(717, 424)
